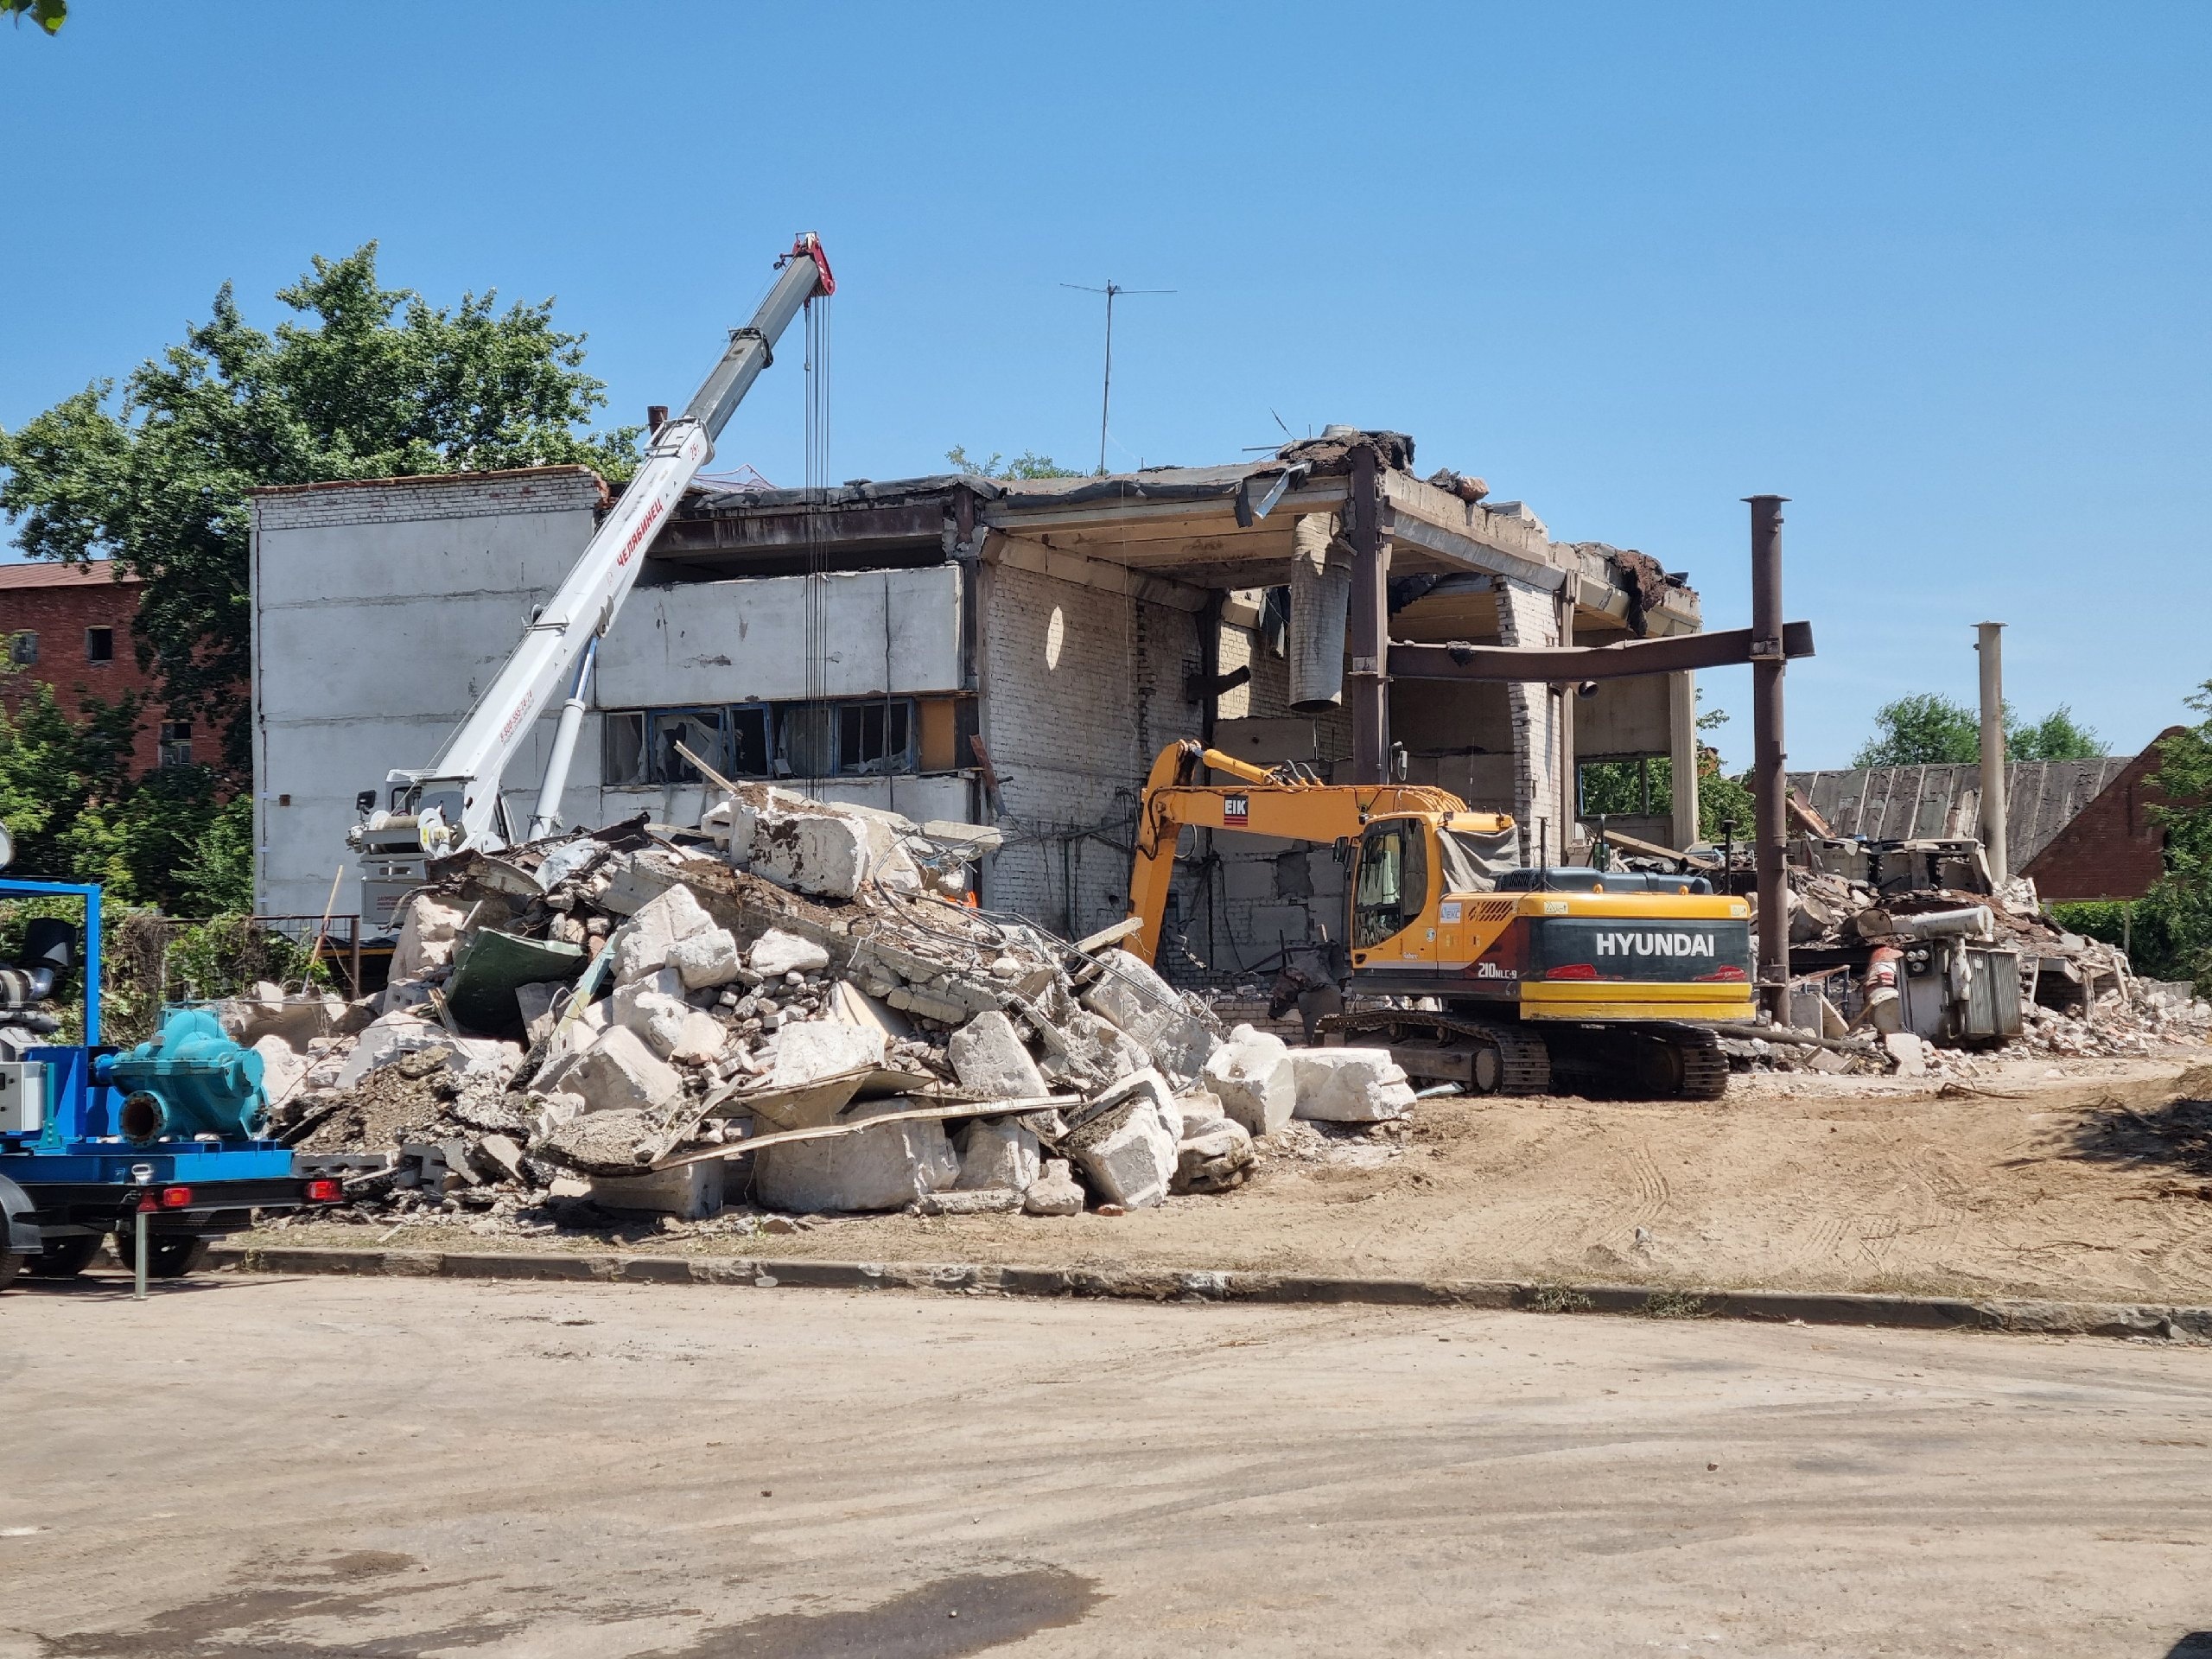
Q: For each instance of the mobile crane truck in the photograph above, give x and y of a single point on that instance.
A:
(1505, 979)
(160, 1144)
(454, 804)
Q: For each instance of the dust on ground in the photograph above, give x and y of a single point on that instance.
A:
(2093, 1185)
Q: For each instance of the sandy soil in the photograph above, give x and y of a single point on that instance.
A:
(2094, 1185)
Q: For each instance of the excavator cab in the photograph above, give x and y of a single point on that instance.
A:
(1389, 884)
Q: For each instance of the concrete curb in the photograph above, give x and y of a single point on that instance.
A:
(1168, 1284)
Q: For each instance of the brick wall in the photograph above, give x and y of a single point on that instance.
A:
(1527, 617)
(59, 604)
(1081, 689)
(2112, 849)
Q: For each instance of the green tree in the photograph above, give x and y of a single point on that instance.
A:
(1028, 464)
(49, 14)
(362, 382)
(1930, 730)
(1616, 787)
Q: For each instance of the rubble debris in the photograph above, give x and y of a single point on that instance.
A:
(885, 1168)
(1129, 1143)
(1912, 938)
(1350, 1085)
(1252, 1076)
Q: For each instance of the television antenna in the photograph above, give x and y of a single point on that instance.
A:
(1113, 290)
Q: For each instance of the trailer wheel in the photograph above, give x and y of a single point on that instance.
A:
(174, 1256)
(10, 1265)
(65, 1258)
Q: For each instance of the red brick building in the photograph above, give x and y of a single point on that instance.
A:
(69, 627)
(2112, 849)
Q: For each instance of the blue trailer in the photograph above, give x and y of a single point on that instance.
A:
(164, 1141)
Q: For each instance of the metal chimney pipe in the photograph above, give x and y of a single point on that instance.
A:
(1991, 644)
(1769, 782)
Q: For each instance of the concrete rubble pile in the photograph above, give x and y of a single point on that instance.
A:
(1875, 916)
(635, 1021)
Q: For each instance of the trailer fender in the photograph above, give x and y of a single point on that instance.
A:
(23, 1237)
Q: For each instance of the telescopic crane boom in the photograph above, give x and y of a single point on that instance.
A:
(455, 803)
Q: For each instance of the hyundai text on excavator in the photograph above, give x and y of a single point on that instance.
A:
(1471, 969)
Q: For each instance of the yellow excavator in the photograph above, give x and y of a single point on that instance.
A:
(1469, 968)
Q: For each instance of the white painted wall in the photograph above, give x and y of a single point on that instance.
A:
(380, 611)
(881, 630)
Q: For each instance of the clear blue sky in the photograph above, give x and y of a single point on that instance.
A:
(1938, 273)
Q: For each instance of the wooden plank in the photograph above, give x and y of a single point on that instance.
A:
(833, 1131)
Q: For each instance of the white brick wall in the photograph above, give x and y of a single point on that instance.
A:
(1081, 689)
(1528, 617)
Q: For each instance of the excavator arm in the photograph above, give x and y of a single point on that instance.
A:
(1287, 801)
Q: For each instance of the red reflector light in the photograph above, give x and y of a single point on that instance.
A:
(175, 1198)
(324, 1191)
(1571, 970)
(1733, 976)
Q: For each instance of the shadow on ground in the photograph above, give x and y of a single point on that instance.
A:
(2177, 1136)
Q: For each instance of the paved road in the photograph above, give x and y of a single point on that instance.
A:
(320, 1467)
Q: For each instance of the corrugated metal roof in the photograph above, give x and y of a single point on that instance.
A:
(1906, 803)
(45, 574)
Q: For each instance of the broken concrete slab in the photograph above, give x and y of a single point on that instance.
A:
(388, 1038)
(1350, 1085)
(642, 943)
(777, 952)
(426, 936)
(885, 1168)
(692, 1191)
(1909, 1051)
(997, 1152)
(991, 1059)
(282, 1069)
(1252, 1076)
(1054, 1192)
(619, 1071)
(1213, 1161)
(814, 1049)
(1141, 1004)
(708, 958)
(1128, 1148)
(617, 1142)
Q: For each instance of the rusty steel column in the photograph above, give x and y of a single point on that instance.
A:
(1769, 784)
(1368, 686)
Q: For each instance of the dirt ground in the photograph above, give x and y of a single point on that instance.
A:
(2095, 1185)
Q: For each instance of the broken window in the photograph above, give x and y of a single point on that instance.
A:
(622, 750)
(175, 748)
(699, 730)
(748, 741)
(875, 737)
(24, 647)
(99, 645)
(806, 740)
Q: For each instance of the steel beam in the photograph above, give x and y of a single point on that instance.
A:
(1730, 647)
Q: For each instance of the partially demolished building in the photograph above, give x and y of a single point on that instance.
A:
(1010, 654)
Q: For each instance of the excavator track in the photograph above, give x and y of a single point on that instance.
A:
(1503, 1058)
(1657, 1060)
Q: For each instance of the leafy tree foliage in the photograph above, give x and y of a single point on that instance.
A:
(362, 382)
(1028, 464)
(1928, 729)
(49, 14)
(168, 838)
(1617, 787)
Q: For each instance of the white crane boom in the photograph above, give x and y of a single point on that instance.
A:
(455, 802)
